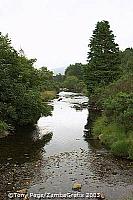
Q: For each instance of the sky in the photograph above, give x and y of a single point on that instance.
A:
(57, 32)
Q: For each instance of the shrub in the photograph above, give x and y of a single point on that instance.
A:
(3, 126)
(3, 129)
(48, 95)
(120, 148)
(120, 109)
(124, 85)
(107, 132)
(130, 139)
(99, 125)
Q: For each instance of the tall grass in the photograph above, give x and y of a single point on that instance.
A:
(48, 95)
(114, 137)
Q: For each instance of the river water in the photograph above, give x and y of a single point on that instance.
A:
(56, 155)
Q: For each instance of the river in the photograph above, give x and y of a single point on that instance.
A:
(54, 156)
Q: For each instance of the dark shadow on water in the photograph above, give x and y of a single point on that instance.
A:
(25, 145)
(94, 144)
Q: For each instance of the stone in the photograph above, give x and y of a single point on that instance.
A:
(23, 191)
(76, 186)
(114, 172)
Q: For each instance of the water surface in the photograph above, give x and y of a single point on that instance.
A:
(55, 155)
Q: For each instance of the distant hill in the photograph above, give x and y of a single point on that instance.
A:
(60, 70)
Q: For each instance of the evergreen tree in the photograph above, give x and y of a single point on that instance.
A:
(103, 57)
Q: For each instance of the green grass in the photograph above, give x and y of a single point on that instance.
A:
(48, 95)
(114, 137)
(120, 148)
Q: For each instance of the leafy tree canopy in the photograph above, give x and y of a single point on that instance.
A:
(75, 70)
(20, 99)
(127, 61)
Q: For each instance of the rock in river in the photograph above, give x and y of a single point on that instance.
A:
(76, 186)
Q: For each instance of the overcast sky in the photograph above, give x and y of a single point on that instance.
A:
(57, 32)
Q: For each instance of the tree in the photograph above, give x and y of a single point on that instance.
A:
(20, 100)
(46, 79)
(75, 70)
(127, 61)
(103, 58)
(58, 81)
(72, 83)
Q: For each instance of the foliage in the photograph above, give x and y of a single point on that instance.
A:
(46, 80)
(124, 84)
(75, 70)
(103, 58)
(109, 79)
(58, 80)
(3, 127)
(73, 84)
(99, 125)
(114, 137)
(74, 78)
(48, 95)
(20, 86)
(120, 148)
(120, 109)
(114, 127)
(127, 61)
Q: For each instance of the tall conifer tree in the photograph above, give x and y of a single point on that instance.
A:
(103, 57)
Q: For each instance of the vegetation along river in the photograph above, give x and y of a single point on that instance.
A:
(54, 162)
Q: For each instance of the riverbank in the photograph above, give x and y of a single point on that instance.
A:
(97, 171)
(63, 159)
(114, 127)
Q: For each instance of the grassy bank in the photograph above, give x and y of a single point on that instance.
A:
(115, 128)
(114, 137)
(48, 95)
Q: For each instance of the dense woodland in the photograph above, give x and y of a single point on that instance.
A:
(107, 79)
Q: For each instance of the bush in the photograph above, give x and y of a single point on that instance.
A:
(120, 109)
(124, 85)
(3, 127)
(120, 148)
(99, 125)
(48, 95)
(72, 83)
(111, 134)
(130, 139)
(114, 137)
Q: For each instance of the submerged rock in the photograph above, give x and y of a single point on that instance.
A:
(60, 99)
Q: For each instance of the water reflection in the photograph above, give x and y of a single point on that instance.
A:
(66, 158)
(93, 114)
(24, 146)
(67, 123)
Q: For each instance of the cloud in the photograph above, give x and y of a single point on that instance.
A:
(57, 32)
